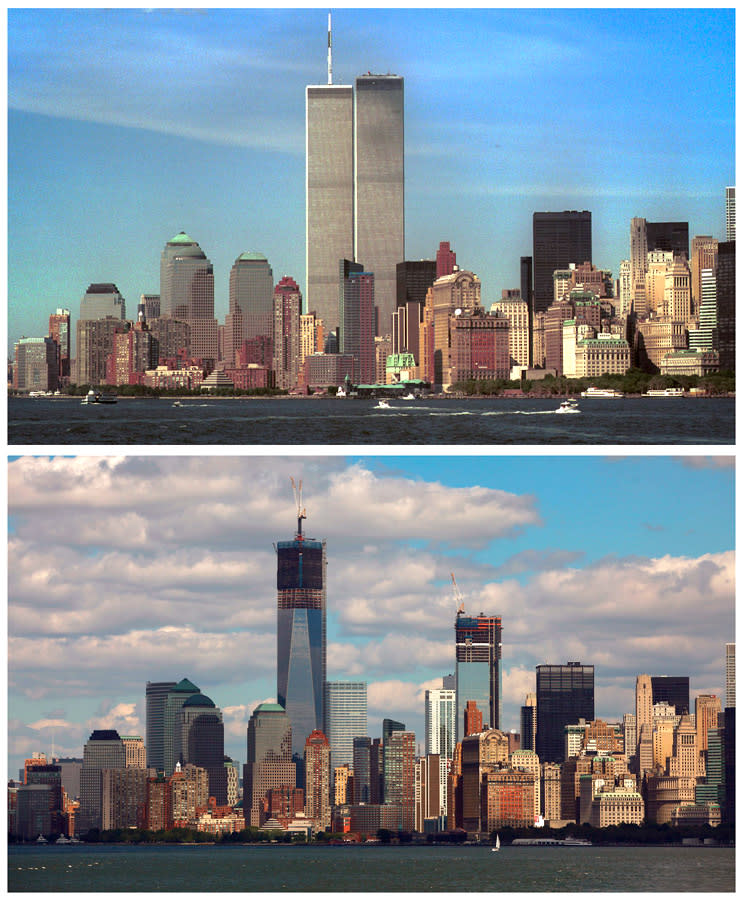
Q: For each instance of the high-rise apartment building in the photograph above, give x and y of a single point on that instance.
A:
(269, 759)
(564, 695)
(399, 775)
(441, 717)
(95, 341)
(357, 312)
(345, 719)
(59, 332)
(478, 667)
(354, 188)
(730, 675)
(730, 213)
(287, 309)
(317, 779)
(560, 238)
(36, 364)
(187, 293)
(301, 640)
(251, 313)
(703, 256)
(103, 750)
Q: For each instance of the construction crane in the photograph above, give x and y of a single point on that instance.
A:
(458, 598)
(301, 513)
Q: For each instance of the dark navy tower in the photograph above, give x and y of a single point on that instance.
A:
(301, 618)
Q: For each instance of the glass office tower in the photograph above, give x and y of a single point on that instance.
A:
(301, 642)
(564, 695)
(478, 672)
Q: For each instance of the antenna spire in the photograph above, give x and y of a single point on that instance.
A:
(301, 512)
(330, 52)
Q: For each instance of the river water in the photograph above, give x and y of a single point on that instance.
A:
(205, 868)
(434, 421)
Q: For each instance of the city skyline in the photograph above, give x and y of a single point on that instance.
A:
(127, 136)
(165, 570)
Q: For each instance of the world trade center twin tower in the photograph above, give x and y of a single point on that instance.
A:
(354, 189)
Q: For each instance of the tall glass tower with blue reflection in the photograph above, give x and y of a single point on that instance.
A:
(478, 672)
(301, 627)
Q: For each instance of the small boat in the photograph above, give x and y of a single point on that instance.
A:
(63, 839)
(568, 406)
(177, 403)
(340, 392)
(601, 392)
(497, 844)
(41, 839)
(382, 404)
(409, 397)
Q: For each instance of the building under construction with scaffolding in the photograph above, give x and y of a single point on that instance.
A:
(301, 631)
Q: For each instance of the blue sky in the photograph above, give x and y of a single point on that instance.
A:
(127, 126)
(165, 569)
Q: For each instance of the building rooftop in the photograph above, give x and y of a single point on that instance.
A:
(252, 255)
(185, 687)
(269, 707)
(199, 700)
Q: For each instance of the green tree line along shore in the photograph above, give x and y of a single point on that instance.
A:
(651, 834)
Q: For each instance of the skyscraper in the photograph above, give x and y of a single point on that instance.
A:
(251, 312)
(730, 213)
(399, 775)
(357, 319)
(187, 293)
(564, 695)
(643, 707)
(287, 309)
(156, 694)
(379, 203)
(725, 295)
(345, 718)
(730, 675)
(478, 671)
(301, 642)
(354, 189)
(674, 689)
(560, 238)
(329, 193)
(317, 779)
(103, 750)
(59, 331)
(441, 715)
(529, 723)
(202, 742)
(101, 300)
(174, 700)
(269, 759)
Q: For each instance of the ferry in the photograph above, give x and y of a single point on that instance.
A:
(601, 392)
(666, 392)
(98, 397)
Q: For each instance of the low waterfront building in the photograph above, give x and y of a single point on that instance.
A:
(690, 362)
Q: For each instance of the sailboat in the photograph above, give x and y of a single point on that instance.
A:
(497, 844)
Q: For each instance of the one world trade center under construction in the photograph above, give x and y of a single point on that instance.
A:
(301, 627)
